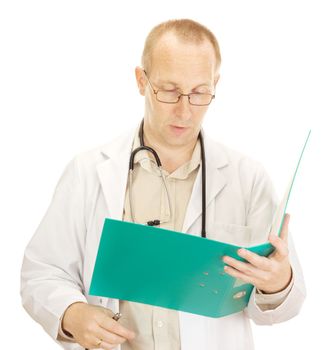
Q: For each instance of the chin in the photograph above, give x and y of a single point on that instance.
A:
(180, 140)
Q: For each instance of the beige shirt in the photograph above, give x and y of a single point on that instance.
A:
(156, 327)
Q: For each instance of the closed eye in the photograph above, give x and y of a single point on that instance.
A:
(202, 91)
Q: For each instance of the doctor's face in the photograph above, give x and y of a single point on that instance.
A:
(181, 67)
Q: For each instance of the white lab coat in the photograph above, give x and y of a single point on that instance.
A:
(59, 260)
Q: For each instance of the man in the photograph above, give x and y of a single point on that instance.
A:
(181, 61)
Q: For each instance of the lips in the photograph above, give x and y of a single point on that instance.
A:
(178, 130)
(179, 127)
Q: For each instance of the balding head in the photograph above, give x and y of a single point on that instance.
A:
(184, 30)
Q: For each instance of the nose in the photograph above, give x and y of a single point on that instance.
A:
(183, 108)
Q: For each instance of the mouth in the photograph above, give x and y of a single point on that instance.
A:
(178, 130)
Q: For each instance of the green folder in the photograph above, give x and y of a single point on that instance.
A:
(171, 269)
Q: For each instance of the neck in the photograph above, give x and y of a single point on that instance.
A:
(171, 157)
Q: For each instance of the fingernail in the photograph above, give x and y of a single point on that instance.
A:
(241, 252)
(226, 259)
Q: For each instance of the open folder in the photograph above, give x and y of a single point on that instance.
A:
(174, 270)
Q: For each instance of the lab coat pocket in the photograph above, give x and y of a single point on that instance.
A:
(231, 233)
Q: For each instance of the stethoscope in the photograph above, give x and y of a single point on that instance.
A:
(142, 147)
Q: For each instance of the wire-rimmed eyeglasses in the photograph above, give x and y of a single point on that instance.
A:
(173, 96)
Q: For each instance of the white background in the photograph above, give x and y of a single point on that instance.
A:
(67, 84)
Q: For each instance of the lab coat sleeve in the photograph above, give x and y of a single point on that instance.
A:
(261, 210)
(51, 275)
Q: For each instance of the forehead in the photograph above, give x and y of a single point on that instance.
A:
(182, 62)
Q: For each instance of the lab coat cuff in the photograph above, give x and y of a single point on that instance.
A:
(62, 334)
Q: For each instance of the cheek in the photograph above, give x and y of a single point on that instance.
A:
(199, 114)
(162, 111)
(155, 110)
(158, 113)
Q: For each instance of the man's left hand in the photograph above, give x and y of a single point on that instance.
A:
(268, 274)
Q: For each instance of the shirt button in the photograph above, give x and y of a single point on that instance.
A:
(160, 324)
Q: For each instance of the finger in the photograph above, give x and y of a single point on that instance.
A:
(113, 326)
(255, 259)
(281, 248)
(246, 268)
(284, 230)
(110, 337)
(107, 346)
(237, 274)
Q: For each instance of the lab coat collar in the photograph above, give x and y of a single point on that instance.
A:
(113, 173)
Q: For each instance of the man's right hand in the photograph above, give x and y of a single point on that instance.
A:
(94, 327)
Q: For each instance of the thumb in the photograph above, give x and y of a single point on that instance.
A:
(284, 230)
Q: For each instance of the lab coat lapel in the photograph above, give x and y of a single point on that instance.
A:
(113, 173)
(195, 329)
(215, 182)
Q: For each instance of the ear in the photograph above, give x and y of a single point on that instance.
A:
(141, 81)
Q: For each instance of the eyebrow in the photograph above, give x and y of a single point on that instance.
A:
(161, 82)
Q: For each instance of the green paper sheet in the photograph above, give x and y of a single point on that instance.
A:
(171, 269)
